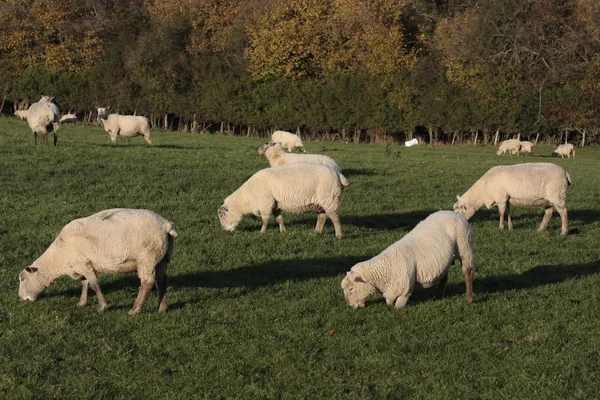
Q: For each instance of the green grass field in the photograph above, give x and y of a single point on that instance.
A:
(263, 316)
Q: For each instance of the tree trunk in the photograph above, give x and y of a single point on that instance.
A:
(430, 130)
(476, 136)
(566, 136)
(537, 137)
(166, 122)
(583, 138)
(496, 137)
(453, 137)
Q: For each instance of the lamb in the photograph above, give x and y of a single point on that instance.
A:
(43, 117)
(112, 241)
(565, 150)
(124, 125)
(524, 185)
(287, 140)
(510, 145)
(68, 119)
(420, 259)
(21, 114)
(298, 187)
(276, 156)
(526, 147)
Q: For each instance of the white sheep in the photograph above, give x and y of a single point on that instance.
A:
(510, 145)
(68, 119)
(124, 125)
(523, 185)
(112, 241)
(43, 117)
(565, 150)
(298, 188)
(276, 156)
(21, 114)
(526, 147)
(420, 259)
(287, 140)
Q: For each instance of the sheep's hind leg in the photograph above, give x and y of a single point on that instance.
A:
(84, 292)
(161, 283)
(321, 218)
(564, 217)
(93, 282)
(145, 288)
(468, 272)
(279, 219)
(336, 224)
(510, 226)
(501, 210)
(401, 301)
(546, 219)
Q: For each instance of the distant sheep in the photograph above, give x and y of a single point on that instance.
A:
(287, 139)
(420, 259)
(124, 125)
(565, 150)
(111, 241)
(68, 119)
(298, 188)
(44, 117)
(524, 185)
(21, 114)
(511, 145)
(526, 147)
(276, 156)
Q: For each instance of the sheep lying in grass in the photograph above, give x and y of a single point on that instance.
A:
(298, 188)
(68, 119)
(111, 241)
(524, 185)
(43, 117)
(511, 145)
(124, 125)
(22, 114)
(276, 156)
(287, 140)
(420, 259)
(565, 150)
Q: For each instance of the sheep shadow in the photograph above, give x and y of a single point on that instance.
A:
(541, 275)
(404, 222)
(359, 171)
(586, 216)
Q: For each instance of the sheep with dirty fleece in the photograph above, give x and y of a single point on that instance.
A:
(276, 156)
(44, 117)
(523, 185)
(511, 145)
(22, 114)
(123, 125)
(565, 150)
(112, 241)
(420, 259)
(297, 188)
(287, 139)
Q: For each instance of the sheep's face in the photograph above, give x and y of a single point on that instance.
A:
(262, 149)
(29, 287)
(229, 220)
(103, 112)
(499, 152)
(46, 99)
(272, 148)
(467, 210)
(356, 290)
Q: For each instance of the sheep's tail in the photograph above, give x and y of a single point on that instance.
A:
(343, 181)
(568, 178)
(170, 228)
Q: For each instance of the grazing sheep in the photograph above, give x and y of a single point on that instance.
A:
(68, 119)
(420, 259)
(565, 150)
(112, 241)
(524, 185)
(510, 145)
(298, 188)
(21, 114)
(43, 117)
(124, 125)
(287, 140)
(526, 147)
(276, 156)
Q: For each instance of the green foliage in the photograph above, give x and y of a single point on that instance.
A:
(263, 316)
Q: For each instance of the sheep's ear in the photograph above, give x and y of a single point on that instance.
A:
(359, 278)
(31, 270)
(272, 144)
(458, 197)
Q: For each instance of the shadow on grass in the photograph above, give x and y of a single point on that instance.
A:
(354, 172)
(150, 146)
(404, 221)
(586, 216)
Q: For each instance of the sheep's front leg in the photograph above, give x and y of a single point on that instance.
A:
(93, 282)
(265, 222)
(84, 292)
(501, 210)
(510, 226)
(145, 289)
(35, 138)
(441, 286)
(401, 301)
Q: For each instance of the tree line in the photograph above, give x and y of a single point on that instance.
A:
(453, 71)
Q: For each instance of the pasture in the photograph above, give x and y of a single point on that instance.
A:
(263, 316)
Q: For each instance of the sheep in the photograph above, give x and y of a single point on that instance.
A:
(43, 117)
(112, 241)
(287, 140)
(298, 187)
(420, 259)
(510, 145)
(565, 150)
(276, 156)
(68, 119)
(524, 185)
(124, 125)
(526, 147)
(21, 114)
